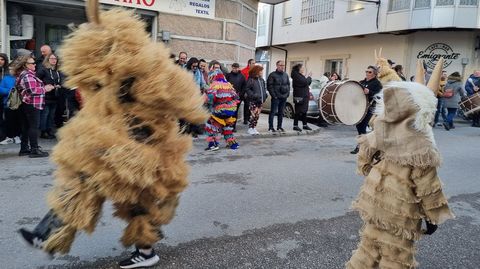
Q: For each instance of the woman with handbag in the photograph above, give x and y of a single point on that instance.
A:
(33, 101)
(48, 73)
(301, 92)
(256, 91)
(452, 95)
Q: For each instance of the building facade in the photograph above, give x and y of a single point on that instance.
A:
(212, 29)
(342, 36)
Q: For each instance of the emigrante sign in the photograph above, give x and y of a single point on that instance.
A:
(433, 52)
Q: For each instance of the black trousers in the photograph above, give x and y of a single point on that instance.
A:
(362, 126)
(30, 126)
(300, 114)
(13, 119)
(246, 110)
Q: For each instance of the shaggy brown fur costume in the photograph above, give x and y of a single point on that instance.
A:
(125, 144)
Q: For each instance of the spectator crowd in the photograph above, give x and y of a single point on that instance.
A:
(46, 104)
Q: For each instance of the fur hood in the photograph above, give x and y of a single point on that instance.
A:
(402, 131)
(455, 77)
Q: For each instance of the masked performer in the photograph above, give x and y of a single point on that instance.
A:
(399, 159)
(223, 100)
(124, 145)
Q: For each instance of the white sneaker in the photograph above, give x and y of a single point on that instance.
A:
(17, 140)
(255, 131)
(251, 131)
(7, 141)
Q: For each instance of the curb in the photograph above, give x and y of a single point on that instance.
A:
(267, 135)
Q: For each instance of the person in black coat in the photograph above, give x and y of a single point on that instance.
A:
(239, 83)
(278, 86)
(371, 86)
(301, 92)
(256, 95)
(49, 74)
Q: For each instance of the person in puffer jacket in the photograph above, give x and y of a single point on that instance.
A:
(256, 90)
(223, 100)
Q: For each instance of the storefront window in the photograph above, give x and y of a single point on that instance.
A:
(468, 2)
(445, 2)
(395, 5)
(54, 35)
(422, 3)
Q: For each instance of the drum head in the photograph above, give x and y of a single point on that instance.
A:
(350, 103)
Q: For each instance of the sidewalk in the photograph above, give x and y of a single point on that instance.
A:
(262, 128)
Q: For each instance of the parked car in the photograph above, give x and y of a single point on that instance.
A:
(313, 110)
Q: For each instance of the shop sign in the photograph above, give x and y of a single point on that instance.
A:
(433, 52)
(197, 8)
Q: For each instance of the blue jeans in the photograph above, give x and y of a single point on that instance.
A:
(450, 115)
(440, 111)
(47, 116)
(277, 107)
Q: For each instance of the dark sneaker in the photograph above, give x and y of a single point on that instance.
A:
(138, 259)
(24, 152)
(234, 146)
(306, 127)
(271, 130)
(281, 130)
(31, 238)
(38, 153)
(355, 151)
(212, 146)
(446, 125)
(296, 128)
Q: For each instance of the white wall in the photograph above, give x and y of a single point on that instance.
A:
(402, 49)
(357, 57)
(344, 24)
(362, 22)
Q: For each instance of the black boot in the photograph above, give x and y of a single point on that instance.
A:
(44, 135)
(355, 151)
(42, 231)
(37, 153)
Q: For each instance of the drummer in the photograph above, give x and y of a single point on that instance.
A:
(472, 86)
(371, 86)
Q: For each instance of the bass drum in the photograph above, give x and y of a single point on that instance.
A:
(343, 102)
(471, 105)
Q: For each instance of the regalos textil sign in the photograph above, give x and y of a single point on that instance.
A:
(433, 52)
(197, 8)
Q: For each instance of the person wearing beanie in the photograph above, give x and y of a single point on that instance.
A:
(223, 100)
(239, 83)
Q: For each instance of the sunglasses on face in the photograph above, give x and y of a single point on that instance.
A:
(31, 63)
(369, 72)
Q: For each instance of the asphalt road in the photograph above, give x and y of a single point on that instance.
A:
(274, 203)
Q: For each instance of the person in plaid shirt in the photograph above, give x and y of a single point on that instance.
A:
(33, 97)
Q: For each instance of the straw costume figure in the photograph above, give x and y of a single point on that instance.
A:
(223, 100)
(125, 144)
(385, 72)
(399, 159)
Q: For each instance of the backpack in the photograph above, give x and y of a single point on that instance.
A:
(14, 99)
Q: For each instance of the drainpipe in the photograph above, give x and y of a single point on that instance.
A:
(271, 35)
(3, 25)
